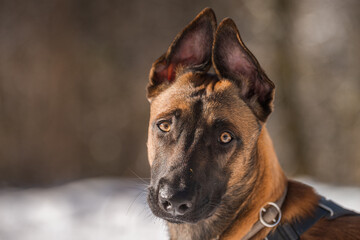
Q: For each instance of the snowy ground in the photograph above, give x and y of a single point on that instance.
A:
(98, 209)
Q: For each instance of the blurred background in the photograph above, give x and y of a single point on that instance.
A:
(73, 77)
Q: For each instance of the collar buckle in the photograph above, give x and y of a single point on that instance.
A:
(270, 210)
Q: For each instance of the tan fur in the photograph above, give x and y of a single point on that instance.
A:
(341, 228)
(255, 169)
(268, 189)
(301, 199)
(300, 202)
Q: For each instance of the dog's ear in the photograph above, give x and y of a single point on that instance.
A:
(233, 60)
(191, 49)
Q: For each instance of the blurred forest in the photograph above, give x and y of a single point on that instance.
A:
(73, 77)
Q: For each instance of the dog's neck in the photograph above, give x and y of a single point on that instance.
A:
(233, 223)
(270, 187)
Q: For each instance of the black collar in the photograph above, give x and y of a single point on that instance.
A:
(325, 209)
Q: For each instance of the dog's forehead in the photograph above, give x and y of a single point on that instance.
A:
(218, 97)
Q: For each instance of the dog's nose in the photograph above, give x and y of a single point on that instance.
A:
(175, 203)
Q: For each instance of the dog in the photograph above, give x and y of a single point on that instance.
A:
(214, 171)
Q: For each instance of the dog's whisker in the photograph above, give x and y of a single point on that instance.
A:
(132, 203)
(140, 178)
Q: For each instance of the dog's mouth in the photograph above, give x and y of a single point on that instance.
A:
(203, 208)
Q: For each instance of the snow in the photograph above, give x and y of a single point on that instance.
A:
(95, 209)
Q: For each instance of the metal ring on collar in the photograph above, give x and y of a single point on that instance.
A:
(263, 210)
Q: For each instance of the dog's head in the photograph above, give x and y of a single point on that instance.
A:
(204, 127)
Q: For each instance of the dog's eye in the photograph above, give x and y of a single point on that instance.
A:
(164, 126)
(225, 137)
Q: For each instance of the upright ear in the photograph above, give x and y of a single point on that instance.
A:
(191, 49)
(233, 60)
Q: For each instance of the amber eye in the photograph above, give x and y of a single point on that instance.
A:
(225, 137)
(164, 126)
